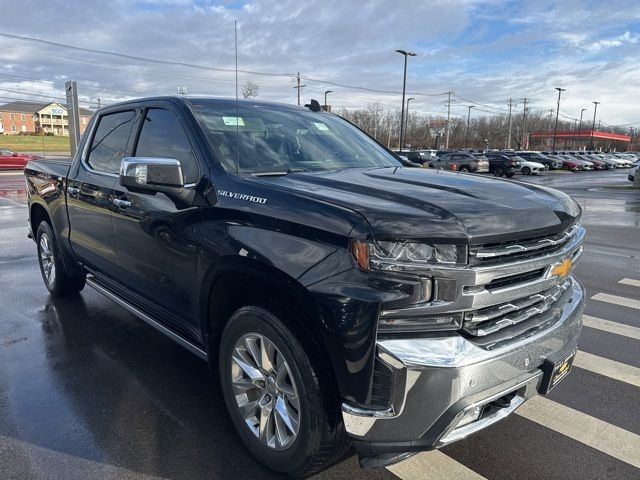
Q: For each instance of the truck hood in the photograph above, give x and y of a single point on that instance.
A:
(436, 204)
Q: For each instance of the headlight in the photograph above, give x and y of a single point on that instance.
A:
(405, 255)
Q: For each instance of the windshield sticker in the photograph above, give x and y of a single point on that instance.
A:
(233, 121)
(321, 126)
(242, 196)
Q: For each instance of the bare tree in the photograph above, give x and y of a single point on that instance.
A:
(250, 90)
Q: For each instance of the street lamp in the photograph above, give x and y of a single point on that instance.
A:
(466, 141)
(404, 140)
(325, 98)
(593, 126)
(404, 86)
(555, 130)
(580, 124)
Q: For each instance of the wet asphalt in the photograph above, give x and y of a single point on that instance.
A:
(89, 391)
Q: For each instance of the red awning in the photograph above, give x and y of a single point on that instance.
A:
(582, 134)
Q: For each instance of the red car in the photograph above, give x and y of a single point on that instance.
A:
(13, 160)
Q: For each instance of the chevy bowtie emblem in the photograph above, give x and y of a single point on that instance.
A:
(562, 269)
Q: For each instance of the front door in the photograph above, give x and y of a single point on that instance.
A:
(90, 192)
(155, 236)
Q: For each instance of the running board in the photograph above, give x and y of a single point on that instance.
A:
(93, 283)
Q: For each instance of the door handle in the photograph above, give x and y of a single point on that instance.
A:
(118, 202)
(73, 191)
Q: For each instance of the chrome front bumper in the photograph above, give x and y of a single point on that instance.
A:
(438, 380)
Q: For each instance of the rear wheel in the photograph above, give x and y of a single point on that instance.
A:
(526, 171)
(464, 169)
(56, 279)
(274, 395)
(498, 172)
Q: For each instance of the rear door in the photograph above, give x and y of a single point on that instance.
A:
(90, 191)
(155, 233)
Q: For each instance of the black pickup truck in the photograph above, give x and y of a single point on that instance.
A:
(341, 298)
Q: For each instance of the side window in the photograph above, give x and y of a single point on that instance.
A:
(109, 143)
(162, 135)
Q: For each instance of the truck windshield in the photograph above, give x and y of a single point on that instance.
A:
(258, 140)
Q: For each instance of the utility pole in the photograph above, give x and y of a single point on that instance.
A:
(509, 134)
(406, 124)
(98, 103)
(298, 86)
(466, 140)
(446, 142)
(580, 124)
(593, 125)
(73, 114)
(525, 144)
(555, 129)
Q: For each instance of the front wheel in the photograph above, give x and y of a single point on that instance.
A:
(526, 171)
(498, 172)
(464, 169)
(274, 395)
(56, 279)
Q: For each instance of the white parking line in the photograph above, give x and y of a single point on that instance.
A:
(591, 431)
(609, 368)
(433, 464)
(625, 302)
(611, 327)
(630, 281)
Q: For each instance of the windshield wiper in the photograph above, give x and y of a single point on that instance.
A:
(279, 173)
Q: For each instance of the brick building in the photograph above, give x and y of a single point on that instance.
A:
(34, 117)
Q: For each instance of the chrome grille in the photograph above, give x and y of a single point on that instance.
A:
(492, 253)
(489, 320)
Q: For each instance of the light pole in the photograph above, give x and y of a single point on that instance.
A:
(404, 140)
(325, 98)
(593, 125)
(466, 140)
(404, 86)
(555, 130)
(580, 124)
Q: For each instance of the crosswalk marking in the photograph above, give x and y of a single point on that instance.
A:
(611, 327)
(591, 431)
(630, 281)
(433, 464)
(609, 368)
(615, 299)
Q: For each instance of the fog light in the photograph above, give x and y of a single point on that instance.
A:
(470, 416)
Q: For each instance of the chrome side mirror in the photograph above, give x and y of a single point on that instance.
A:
(151, 174)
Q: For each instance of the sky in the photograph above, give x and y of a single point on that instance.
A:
(485, 52)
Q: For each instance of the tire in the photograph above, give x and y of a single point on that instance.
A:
(526, 171)
(55, 277)
(509, 175)
(464, 170)
(498, 172)
(318, 438)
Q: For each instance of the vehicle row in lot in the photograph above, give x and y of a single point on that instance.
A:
(509, 162)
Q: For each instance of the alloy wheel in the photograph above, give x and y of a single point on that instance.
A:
(265, 391)
(47, 259)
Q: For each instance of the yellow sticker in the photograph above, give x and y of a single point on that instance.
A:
(233, 121)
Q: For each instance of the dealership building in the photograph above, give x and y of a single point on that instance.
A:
(35, 117)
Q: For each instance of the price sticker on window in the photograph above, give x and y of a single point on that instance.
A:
(233, 121)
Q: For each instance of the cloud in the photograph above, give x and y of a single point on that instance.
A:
(487, 51)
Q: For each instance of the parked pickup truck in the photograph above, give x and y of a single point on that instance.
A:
(341, 298)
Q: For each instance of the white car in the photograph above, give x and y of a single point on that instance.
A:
(530, 168)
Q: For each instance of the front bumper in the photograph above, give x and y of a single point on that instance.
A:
(438, 380)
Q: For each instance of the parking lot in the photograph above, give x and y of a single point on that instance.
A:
(89, 391)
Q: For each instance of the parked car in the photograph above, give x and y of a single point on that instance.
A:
(14, 160)
(461, 162)
(567, 163)
(539, 157)
(503, 164)
(633, 173)
(528, 167)
(341, 299)
(610, 163)
(418, 156)
(622, 160)
(586, 164)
